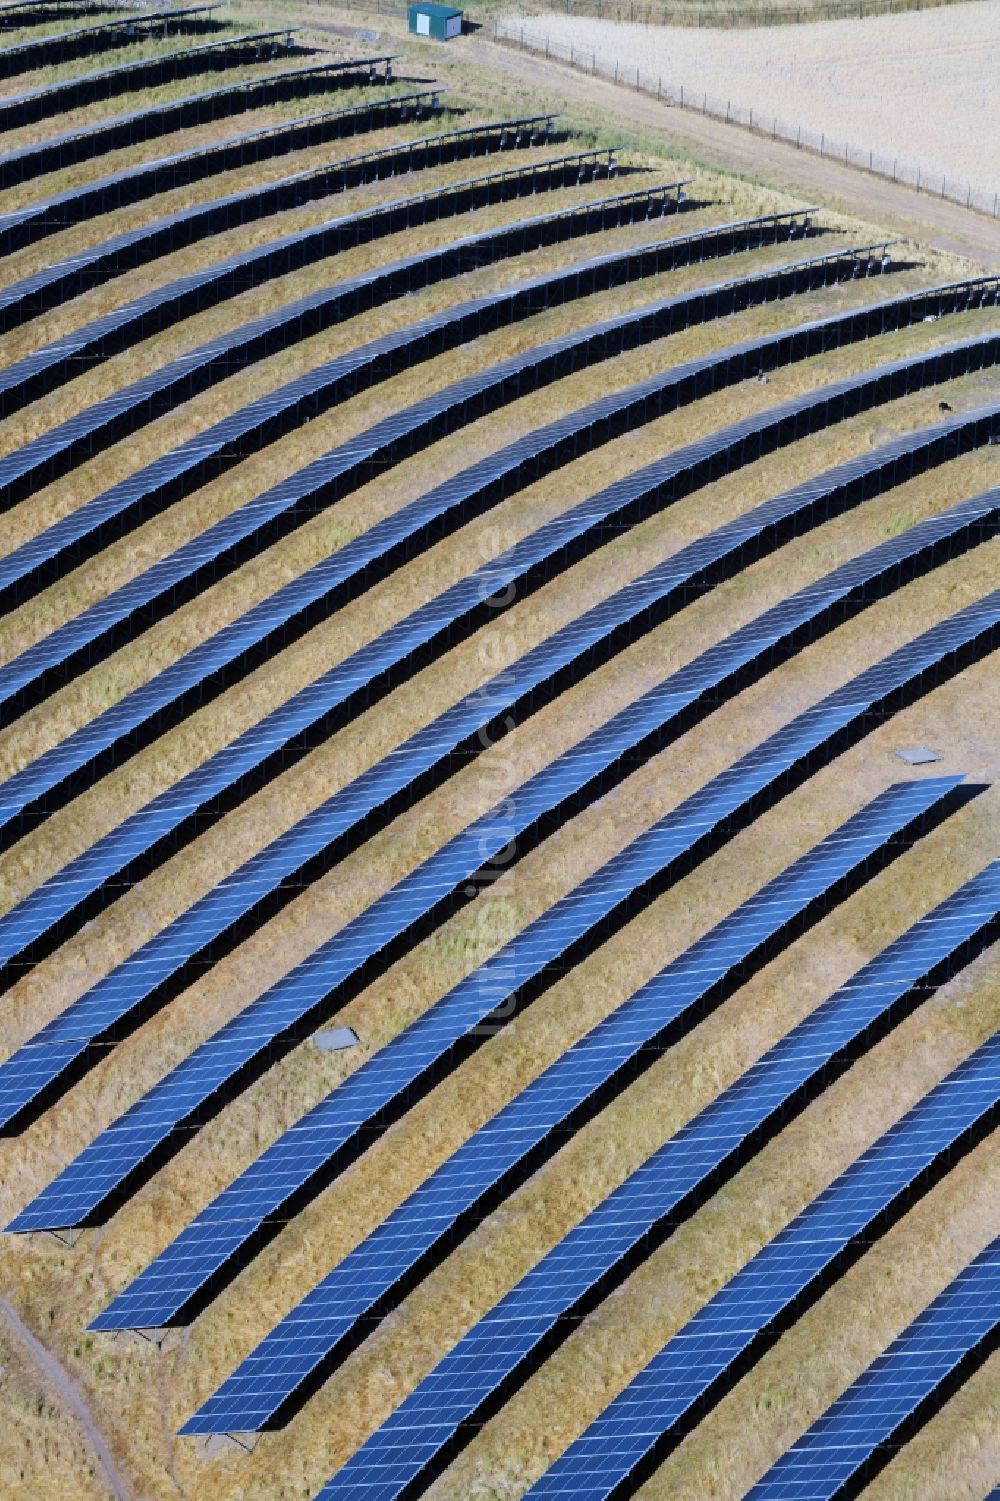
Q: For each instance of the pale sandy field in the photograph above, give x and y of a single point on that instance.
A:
(923, 86)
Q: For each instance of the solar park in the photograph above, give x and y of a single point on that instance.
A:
(498, 810)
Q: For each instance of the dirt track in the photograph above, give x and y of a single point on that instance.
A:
(936, 222)
(69, 1395)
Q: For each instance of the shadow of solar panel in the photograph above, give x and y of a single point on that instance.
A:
(228, 442)
(49, 216)
(309, 849)
(714, 1349)
(90, 88)
(110, 622)
(91, 882)
(34, 12)
(100, 36)
(46, 369)
(512, 978)
(117, 618)
(299, 1353)
(83, 143)
(730, 1334)
(488, 1167)
(46, 289)
(316, 711)
(898, 1393)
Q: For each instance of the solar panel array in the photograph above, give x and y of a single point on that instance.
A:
(38, 104)
(99, 36)
(287, 1171)
(41, 668)
(48, 216)
(84, 142)
(152, 832)
(61, 904)
(77, 439)
(896, 1395)
(708, 1356)
(46, 289)
(711, 1352)
(560, 798)
(84, 887)
(292, 1008)
(241, 534)
(496, 1158)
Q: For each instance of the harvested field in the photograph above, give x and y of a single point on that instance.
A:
(920, 86)
(191, 882)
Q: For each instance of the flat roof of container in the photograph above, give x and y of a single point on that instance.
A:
(431, 8)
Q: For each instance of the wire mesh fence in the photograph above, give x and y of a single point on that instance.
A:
(585, 60)
(718, 14)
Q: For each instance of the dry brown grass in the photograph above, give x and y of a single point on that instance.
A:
(78, 67)
(43, 1450)
(190, 139)
(140, 1396)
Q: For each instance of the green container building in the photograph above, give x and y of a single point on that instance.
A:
(439, 21)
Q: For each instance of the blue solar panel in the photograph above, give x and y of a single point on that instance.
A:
(708, 1356)
(40, 104)
(713, 1349)
(48, 216)
(45, 289)
(492, 1163)
(99, 36)
(97, 875)
(226, 443)
(331, 830)
(511, 978)
(104, 626)
(896, 1395)
(83, 143)
(456, 613)
(12, 12)
(87, 638)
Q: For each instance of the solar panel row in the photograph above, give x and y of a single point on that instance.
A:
(746, 1317)
(83, 143)
(100, 36)
(241, 534)
(49, 216)
(21, 12)
(488, 1166)
(273, 876)
(857, 1436)
(47, 288)
(291, 1361)
(45, 369)
(96, 878)
(291, 1009)
(96, 427)
(90, 88)
(594, 757)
